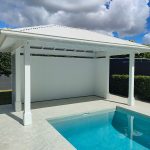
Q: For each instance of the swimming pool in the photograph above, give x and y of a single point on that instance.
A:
(118, 129)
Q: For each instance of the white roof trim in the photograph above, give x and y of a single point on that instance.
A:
(69, 34)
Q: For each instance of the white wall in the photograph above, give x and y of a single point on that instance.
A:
(58, 77)
(61, 77)
(100, 77)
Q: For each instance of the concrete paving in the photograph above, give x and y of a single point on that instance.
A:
(41, 135)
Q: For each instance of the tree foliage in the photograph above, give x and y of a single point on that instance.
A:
(143, 55)
(5, 64)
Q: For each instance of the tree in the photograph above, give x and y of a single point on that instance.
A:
(5, 64)
(143, 55)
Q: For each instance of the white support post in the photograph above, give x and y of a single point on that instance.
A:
(27, 94)
(18, 103)
(131, 99)
(107, 75)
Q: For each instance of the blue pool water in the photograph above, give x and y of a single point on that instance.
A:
(118, 129)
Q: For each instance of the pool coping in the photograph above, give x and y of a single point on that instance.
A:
(14, 135)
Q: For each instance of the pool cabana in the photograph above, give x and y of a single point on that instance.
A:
(55, 62)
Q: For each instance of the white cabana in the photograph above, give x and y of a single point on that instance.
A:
(54, 62)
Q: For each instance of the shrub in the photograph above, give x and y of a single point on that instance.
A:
(119, 85)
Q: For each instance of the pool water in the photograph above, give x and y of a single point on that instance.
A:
(118, 129)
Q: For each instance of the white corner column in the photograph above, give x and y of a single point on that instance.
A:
(27, 93)
(17, 103)
(131, 99)
(107, 75)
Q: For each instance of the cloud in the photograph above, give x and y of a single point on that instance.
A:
(146, 38)
(126, 17)
(67, 5)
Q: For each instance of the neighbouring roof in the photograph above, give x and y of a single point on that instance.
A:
(63, 33)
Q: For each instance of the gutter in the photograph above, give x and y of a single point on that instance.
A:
(26, 35)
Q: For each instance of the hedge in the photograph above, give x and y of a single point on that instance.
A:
(119, 85)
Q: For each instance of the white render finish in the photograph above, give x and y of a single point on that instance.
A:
(27, 94)
(65, 77)
(60, 77)
(131, 99)
(101, 77)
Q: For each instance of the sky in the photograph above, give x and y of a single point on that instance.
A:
(126, 19)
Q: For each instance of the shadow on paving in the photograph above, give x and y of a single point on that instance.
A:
(66, 101)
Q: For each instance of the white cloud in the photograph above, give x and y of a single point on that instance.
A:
(127, 17)
(146, 38)
(68, 5)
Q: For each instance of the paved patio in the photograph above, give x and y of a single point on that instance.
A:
(41, 135)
